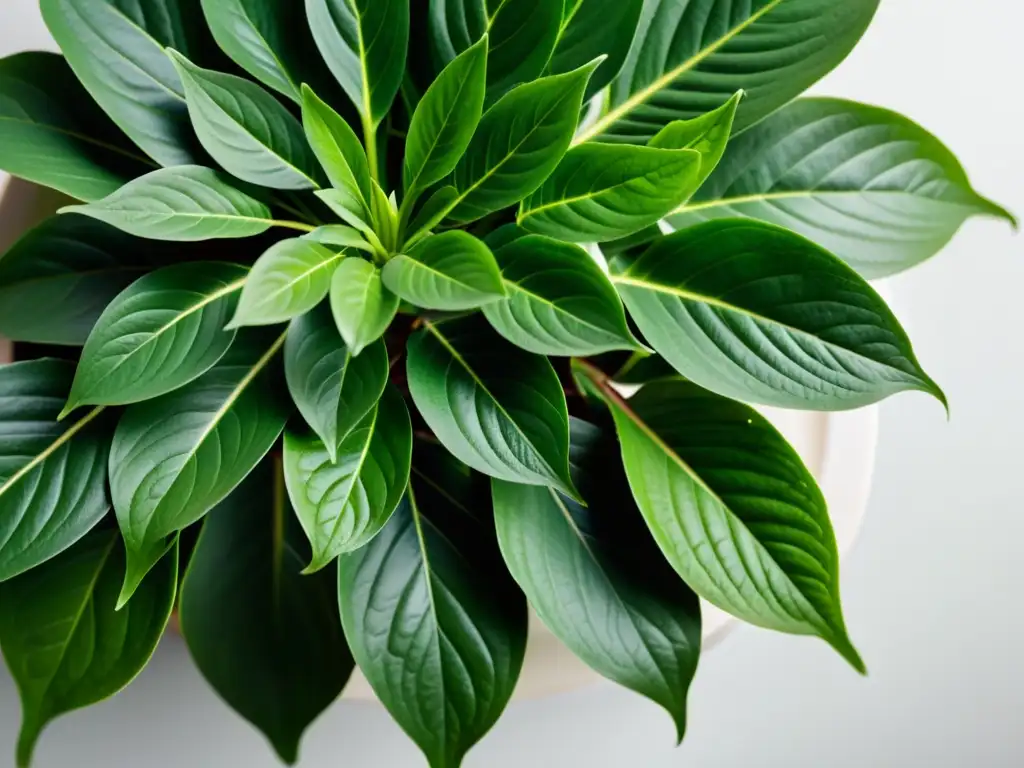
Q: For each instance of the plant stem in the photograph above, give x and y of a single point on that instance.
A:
(297, 225)
(370, 139)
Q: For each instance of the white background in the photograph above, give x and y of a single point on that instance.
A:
(933, 591)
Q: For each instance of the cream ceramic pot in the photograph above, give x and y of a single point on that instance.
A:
(839, 448)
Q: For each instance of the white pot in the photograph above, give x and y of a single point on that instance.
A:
(838, 448)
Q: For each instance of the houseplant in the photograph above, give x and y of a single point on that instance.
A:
(376, 336)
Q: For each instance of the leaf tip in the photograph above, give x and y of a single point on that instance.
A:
(845, 649)
(68, 409)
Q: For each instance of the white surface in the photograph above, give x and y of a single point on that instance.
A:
(932, 593)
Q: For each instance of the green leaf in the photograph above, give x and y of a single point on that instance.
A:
(66, 646)
(364, 42)
(51, 132)
(434, 621)
(53, 476)
(871, 186)
(453, 271)
(288, 280)
(267, 639)
(333, 390)
(733, 508)
(559, 302)
(445, 120)
(363, 308)
(604, 191)
(756, 313)
(342, 504)
(340, 236)
(515, 428)
(176, 457)
(350, 208)
(432, 213)
(708, 134)
(160, 334)
(522, 36)
(688, 58)
(519, 143)
(116, 50)
(385, 218)
(247, 131)
(596, 578)
(56, 281)
(591, 28)
(337, 148)
(186, 204)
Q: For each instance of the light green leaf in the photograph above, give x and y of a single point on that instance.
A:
(868, 184)
(756, 313)
(452, 272)
(247, 131)
(338, 149)
(689, 58)
(267, 639)
(708, 134)
(349, 208)
(385, 218)
(288, 280)
(186, 204)
(340, 236)
(515, 428)
(66, 646)
(603, 192)
(333, 390)
(597, 580)
(363, 308)
(342, 504)
(559, 301)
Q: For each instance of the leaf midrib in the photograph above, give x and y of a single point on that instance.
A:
(725, 202)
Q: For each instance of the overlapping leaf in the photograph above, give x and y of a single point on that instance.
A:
(363, 307)
(592, 28)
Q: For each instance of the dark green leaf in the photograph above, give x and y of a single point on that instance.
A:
(288, 280)
(337, 148)
(708, 134)
(343, 504)
(433, 212)
(435, 622)
(689, 58)
(53, 476)
(733, 508)
(515, 428)
(453, 271)
(871, 186)
(267, 639)
(597, 580)
(605, 191)
(187, 204)
(116, 49)
(363, 308)
(333, 390)
(66, 646)
(759, 314)
(247, 131)
(51, 132)
(160, 334)
(559, 302)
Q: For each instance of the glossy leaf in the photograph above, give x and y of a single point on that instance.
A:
(66, 646)
(689, 58)
(267, 639)
(559, 301)
(56, 281)
(433, 212)
(603, 192)
(53, 475)
(596, 579)
(364, 42)
(733, 508)
(116, 50)
(288, 280)
(759, 314)
(247, 131)
(339, 235)
(342, 504)
(161, 333)
(333, 390)
(871, 186)
(592, 28)
(435, 622)
(452, 271)
(708, 134)
(176, 457)
(515, 428)
(337, 148)
(186, 204)
(446, 118)
(519, 143)
(51, 132)
(363, 308)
